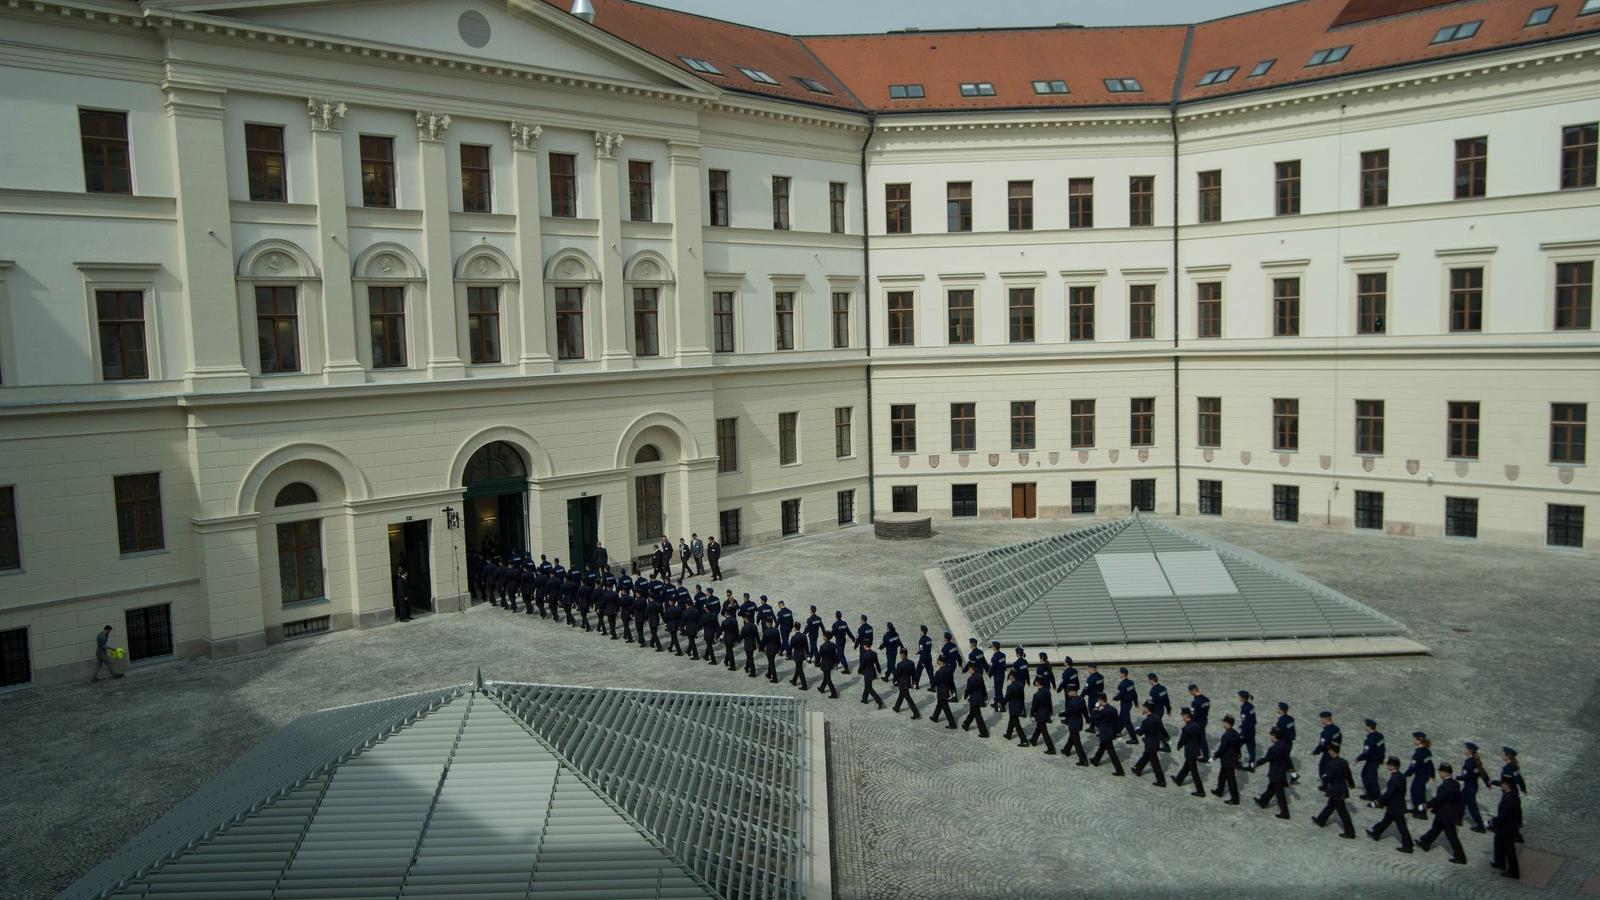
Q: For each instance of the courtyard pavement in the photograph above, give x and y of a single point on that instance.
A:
(919, 811)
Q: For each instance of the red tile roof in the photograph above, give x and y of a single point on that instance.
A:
(1366, 10)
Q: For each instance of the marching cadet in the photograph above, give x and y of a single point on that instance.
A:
(869, 669)
(750, 638)
(747, 607)
(1014, 705)
(710, 624)
(1094, 686)
(1106, 725)
(585, 601)
(1191, 739)
(1420, 772)
(1447, 813)
(624, 609)
(891, 647)
(771, 642)
(1127, 695)
(1153, 735)
(1512, 770)
(976, 693)
(730, 636)
(1471, 773)
(813, 628)
(1393, 802)
(1277, 760)
(976, 661)
(1200, 705)
(1073, 712)
(841, 635)
(1046, 671)
(905, 677)
(1330, 735)
(689, 622)
(1247, 728)
(951, 654)
(1229, 743)
(714, 557)
(474, 575)
(1043, 709)
(672, 614)
(1020, 666)
(863, 639)
(529, 583)
(1336, 783)
(1161, 703)
(608, 607)
(652, 615)
(827, 658)
(1371, 757)
(944, 687)
(1069, 675)
(798, 652)
(924, 658)
(785, 619)
(764, 611)
(997, 671)
(569, 598)
(1507, 827)
(1285, 726)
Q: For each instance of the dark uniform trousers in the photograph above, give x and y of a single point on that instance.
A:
(1042, 729)
(827, 682)
(1075, 743)
(1435, 829)
(1191, 769)
(1336, 806)
(1397, 819)
(1107, 745)
(1149, 758)
(942, 705)
(799, 676)
(974, 714)
(870, 692)
(1014, 726)
(903, 695)
(772, 664)
(1228, 779)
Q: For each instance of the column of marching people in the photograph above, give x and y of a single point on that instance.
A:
(696, 622)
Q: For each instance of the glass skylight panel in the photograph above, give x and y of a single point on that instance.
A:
(977, 89)
(1456, 32)
(1217, 76)
(905, 92)
(1589, 7)
(1262, 68)
(700, 65)
(1123, 85)
(1332, 55)
(1539, 16)
(812, 85)
(1050, 87)
(758, 75)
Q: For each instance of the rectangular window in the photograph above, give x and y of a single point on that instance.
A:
(1083, 498)
(1142, 494)
(903, 497)
(641, 193)
(1563, 525)
(1210, 421)
(847, 507)
(961, 316)
(1286, 187)
(277, 328)
(902, 319)
(300, 561)
(1578, 145)
(1285, 307)
(958, 206)
(1463, 429)
(1569, 432)
(905, 92)
(964, 501)
(788, 438)
(780, 202)
(386, 318)
(1208, 321)
(843, 432)
(1372, 303)
(377, 171)
(1211, 196)
(1142, 421)
(1082, 424)
(149, 632)
(1080, 313)
(783, 324)
(1369, 510)
(1574, 295)
(1374, 179)
(483, 324)
(836, 206)
(791, 517)
(1141, 311)
(963, 427)
(476, 183)
(903, 428)
(728, 445)
(106, 162)
(1461, 517)
(123, 356)
(722, 322)
(1286, 424)
(1285, 503)
(1141, 200)
(1019, 205)
(16, 663)
(1022, 425)
(264, 163)
(841, 320)
(563, 185)
(569, 323)
(1369, 427)
(1021, 315)
(1080, 203)
(1472, 167)
(729, 521)
(717, 180)
(646, 322)
(1210, 498)
(138, 499)
(897, 208)
(648, 508)
(1466, 299)
(977, 89)
(10, 545)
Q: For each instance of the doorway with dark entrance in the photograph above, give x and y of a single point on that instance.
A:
(408, 548)
(496, 500)
(583, 532)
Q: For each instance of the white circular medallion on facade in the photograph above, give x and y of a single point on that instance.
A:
(474, 28)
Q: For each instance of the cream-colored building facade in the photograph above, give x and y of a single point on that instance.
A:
(378, 282)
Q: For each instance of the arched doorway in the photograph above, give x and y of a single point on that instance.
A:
(496, 479)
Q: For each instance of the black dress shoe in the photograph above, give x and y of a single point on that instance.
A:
(1283, 816)
(1459, 860)
(1350, 835)
(1402, 849)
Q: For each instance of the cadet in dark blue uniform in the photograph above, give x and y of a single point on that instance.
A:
(672, 614)
(950, 653)
(1393, 803)
(1191, 738)
(585, 594)
(905, 677)
(813, 629)
(841, 636)
(710, 624)
(1043, 708)
(474, 575)
(1247, 728)
(1106, 726)
(1507, 827)
(624, 611)
(891, 647)
(869, 672)
(1229, 745)
(944, 687)
(863, 639)
(1277, 760)
(976, 694)
(652, 615)
(1472, 773)
(1446, 806)
(1019, 665)
(924, 658)
(1069, 676)
(1511, 770)
(730, 637)
(609, 604)
(1094, 686)
(827, 658)
(976, 661)
(1420, 772)
(1336, 783)
(1330, 735)
(1046, 671)
(799, 651)
(1153, 735)
(749, 636)
(1200, 705)
(1014, 707)
(997, 672)
(689, 622)
(785, 619)
(1127, 695)
(764, 612)
(1285, 727)
(1371, 758)
(1074, 712)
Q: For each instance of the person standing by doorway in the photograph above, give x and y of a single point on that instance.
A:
(102, 654)
(402, 593)
(697, 549)
(714, 557)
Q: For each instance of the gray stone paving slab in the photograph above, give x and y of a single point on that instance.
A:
(917, 810)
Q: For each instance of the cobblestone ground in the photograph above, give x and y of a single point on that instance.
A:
(919, 812)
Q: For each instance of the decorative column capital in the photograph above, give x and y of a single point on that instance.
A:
(524, 136)
(606, 144)
(325, 114)
(431, 126)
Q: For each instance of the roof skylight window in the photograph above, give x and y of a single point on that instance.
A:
(1050, 87)
(1123, 85)
(1456, 32)
(758, 75)
(1539, 16)
(1262, 68)
(700, 65)
(1589, 7)
(1217, 76)
(1332, 55)
(977, 89)
(812, 85)
(905, 92)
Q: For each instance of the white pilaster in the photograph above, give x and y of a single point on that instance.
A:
(439, 295)
(693, 320)
(529, 257)
(614, 353)
(341, 361)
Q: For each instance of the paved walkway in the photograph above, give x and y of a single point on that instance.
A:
(919, 811)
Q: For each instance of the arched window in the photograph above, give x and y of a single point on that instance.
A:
(649, 453)
(296, 494)
(495, 462)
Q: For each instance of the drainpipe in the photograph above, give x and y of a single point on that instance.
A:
(866, 315)
(1177, 284)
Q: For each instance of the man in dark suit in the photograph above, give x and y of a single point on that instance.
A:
(730, 637)
(1014, 708)
(750, 637)
(714, 557)
(944, 687)
(1073, 712)
(869, 670)
(905, 675)
(771, 643)
(1106, 725)
(1448, 811)
(1336, 783)
(1229, 746)
(797, 655)
(1153, 734)
(976, 694)
(1191, 740)
(827, 658)
(1507, 827)
(1393, 802)
(602, 560)
(1277, 760)
(1043, 709)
